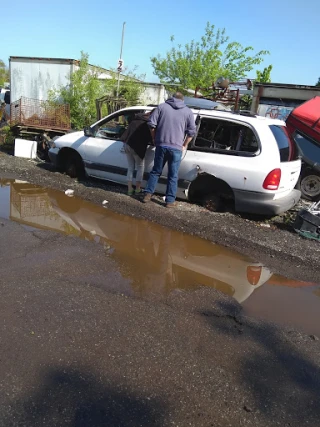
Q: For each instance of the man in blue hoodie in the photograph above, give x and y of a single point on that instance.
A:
(172, 127)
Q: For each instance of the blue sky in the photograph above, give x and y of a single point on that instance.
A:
(289, 29)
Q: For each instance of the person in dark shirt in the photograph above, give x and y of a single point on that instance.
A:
(136, 139)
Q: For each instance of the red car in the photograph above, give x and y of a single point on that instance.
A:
(303, 124)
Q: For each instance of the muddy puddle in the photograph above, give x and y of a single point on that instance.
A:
(158, 261)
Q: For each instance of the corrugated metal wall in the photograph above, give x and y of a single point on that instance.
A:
(35, 78)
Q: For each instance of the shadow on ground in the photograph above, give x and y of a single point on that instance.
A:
(76, 399)
(283, 380)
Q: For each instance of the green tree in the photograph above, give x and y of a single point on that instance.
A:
(264, 76)
(200, 63)
(318, 82)
(86, 85)
(4, 73)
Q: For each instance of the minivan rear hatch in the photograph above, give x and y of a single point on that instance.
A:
(290, 166)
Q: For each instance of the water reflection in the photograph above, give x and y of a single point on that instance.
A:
(156, 260)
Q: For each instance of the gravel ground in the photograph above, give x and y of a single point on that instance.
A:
(270, 241)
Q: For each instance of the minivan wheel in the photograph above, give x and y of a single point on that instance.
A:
(213, 202)
(73, 165)
(309, 185)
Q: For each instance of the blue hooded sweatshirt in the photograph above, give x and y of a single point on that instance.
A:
(173, 121)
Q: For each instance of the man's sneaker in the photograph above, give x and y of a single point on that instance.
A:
(171, 205)
(147, 198)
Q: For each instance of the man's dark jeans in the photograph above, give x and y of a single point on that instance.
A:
(162, 156)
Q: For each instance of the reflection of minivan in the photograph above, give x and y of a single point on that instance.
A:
(304, 126)
(147, 254)
(234, 158)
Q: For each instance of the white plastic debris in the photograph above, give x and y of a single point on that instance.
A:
(24, 148)
(105, 202)
(69, 192)
(93, 232)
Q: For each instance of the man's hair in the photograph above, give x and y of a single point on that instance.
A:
(178, 95)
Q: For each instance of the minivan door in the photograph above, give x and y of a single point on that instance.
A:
(104, 153)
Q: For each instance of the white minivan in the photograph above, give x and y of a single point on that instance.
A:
(238, 158)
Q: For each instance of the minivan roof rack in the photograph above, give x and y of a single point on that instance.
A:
(247, 113)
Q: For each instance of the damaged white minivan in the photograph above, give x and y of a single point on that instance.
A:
(234, 158)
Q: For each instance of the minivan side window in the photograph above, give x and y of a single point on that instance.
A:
(222, 136)
(114, 127)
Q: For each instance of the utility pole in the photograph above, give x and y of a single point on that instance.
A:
(120, 62)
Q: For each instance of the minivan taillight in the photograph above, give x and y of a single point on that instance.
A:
(272, 180)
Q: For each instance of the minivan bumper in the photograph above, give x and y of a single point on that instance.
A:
(263, 203)
(53, 156)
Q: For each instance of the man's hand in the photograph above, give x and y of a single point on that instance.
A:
(186, 143)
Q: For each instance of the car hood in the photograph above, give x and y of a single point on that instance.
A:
(69, 138)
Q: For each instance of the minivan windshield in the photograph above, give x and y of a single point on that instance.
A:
(283, 140)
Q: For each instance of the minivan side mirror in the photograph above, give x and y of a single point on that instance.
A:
(88, 131)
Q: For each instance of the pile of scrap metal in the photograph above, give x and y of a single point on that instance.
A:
(226, 92)
(307, 222)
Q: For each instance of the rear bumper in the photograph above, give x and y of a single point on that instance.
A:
(263, 204)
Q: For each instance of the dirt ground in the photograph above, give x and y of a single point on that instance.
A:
(270, 241)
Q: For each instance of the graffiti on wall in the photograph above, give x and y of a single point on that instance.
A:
(274, 111)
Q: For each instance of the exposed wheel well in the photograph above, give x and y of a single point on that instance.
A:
(206, 184)
(71, 162)
(66, 152)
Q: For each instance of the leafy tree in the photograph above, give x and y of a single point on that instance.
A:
(200, 63)
(4, 73)
(264, 76)
(86, 86)
(318, 82)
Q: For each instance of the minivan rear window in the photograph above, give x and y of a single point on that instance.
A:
(283, 140)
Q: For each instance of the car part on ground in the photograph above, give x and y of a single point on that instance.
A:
(307, 222)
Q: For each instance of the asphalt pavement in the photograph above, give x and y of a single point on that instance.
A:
(77, 350)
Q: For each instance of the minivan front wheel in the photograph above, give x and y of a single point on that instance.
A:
(73, 165)
(309, 185)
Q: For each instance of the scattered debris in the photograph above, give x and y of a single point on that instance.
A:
(105, 202)
(247, 408)
(314, 337)
(69, 192)
(264, 225)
